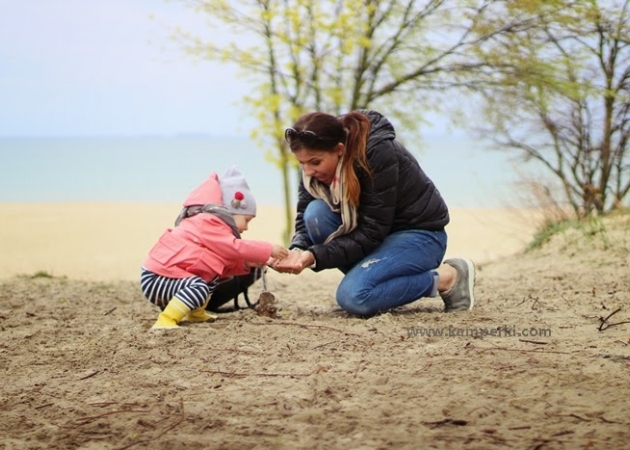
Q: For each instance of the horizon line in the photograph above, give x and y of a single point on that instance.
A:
(201, 134)
(122, 136)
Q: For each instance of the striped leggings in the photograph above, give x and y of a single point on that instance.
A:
(159, 290)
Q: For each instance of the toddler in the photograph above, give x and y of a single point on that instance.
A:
(183, 267)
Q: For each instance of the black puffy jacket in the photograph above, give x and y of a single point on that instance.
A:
(399, 196)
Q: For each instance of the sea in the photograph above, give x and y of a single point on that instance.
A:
(164, 169)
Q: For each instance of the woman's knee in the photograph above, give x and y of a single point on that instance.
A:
(320, 221)
(355, 301)
(316, 208)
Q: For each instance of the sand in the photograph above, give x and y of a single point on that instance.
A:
(534, 365)
(108, 241)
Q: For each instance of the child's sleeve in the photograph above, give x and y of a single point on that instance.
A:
(219, 238)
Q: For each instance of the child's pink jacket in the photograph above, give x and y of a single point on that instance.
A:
(203, 245)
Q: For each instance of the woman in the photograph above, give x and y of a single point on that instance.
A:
(366, 207)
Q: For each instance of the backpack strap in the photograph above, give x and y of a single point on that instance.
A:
(242, 289)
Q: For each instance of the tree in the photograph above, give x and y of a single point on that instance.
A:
(341, 55)
(561, 96)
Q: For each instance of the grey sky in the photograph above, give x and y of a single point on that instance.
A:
(76, 67)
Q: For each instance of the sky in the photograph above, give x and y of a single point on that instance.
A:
(109, 67)
(85, 68)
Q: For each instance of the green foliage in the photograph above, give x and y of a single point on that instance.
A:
(40, 274)
(589, 228)
(43, 275)
(560, 95)
(546, 232)
(340, 55)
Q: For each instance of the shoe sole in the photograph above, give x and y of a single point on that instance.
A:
(176, 327)
(471, 282)
(209, 319)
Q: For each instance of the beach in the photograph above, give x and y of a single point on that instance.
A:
(541, 362)
(108, 241)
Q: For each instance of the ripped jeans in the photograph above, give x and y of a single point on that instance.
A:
(399, 271)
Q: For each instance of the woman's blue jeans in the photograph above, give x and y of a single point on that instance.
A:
(400, 270)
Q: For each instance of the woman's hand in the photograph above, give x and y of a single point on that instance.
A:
(295, 263)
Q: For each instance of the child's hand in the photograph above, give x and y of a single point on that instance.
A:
(279, 252)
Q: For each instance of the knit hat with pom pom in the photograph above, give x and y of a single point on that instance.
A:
(236, 196)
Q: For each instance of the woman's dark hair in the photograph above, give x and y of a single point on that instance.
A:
(321, 131)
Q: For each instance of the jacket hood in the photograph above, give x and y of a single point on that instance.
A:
(381, 128)
(207, 192)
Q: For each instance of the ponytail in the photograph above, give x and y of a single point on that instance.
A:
(357, 127)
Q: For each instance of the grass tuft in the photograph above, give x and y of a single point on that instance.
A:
(41, 274)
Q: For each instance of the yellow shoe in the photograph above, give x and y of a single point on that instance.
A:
(200, 315)
(172, 315)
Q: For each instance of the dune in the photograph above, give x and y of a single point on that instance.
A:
(108, 241)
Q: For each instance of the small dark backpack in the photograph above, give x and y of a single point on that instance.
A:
(230, 289)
